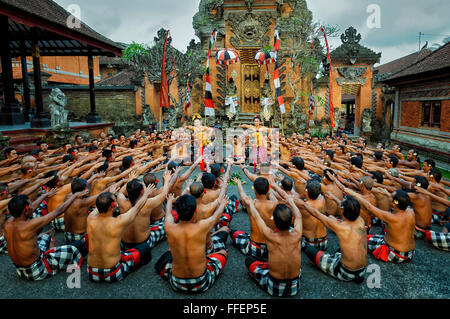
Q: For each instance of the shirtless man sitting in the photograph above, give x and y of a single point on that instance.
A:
(254, 244)
(106, 261)
(186, 265)
(411, 160)
(280, 275)
(328, 186)
(30, 251)
(350, 263)
(217, 237)
(314, 231)
(421, 203)
(398, 244)
(140, 231)
(75, 217)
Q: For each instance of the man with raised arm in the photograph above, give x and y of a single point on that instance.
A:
(140, 231)
(280, 275)
(177, 187)
(186, 265)
(422, 203)
(30, 251)
(254, 244)
(106, 261)
(350, 263)
(398, 244)
(75, 217)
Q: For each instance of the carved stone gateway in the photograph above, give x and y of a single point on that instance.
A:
(248, 27)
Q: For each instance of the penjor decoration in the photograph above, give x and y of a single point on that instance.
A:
(209, 104)
(330, 99)
(276, 77)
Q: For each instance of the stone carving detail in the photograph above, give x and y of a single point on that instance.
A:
(231, 99)
(351, 36)
(58, 113)
(267, 101)
(367, 120)
(250, 28)
(351, 51)
(249, 4)
(351, 75)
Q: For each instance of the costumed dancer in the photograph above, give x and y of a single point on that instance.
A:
(201, 138)
(259, 133)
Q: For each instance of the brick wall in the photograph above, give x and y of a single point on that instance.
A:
(410, 113)
(112, 106)
(445, 116)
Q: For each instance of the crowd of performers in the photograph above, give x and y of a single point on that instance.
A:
(105, 197)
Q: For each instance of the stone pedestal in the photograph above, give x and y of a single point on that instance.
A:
(40, 122)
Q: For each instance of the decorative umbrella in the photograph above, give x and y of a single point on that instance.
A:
(264, 57)
(227, 57)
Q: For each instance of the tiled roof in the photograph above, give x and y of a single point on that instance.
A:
(435, 61)
(48, 15)
(401, 63)
(122, 78)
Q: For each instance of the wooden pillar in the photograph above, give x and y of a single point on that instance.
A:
(10, 109)
(25, 83)
(92, 117)
(40, 119)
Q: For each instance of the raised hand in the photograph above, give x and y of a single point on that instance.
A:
(167, 176)
(150, 188)
(133, 174)
(170, 198)
(237, 181)
(51, 192)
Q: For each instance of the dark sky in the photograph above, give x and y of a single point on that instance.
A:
(401, 21)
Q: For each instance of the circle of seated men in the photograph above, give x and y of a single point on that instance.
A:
(104, 196)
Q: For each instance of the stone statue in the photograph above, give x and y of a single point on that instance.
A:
(231, 99)
(58, 113)
(367, 120)
(172, 118)
(266, 101)
(148, 116)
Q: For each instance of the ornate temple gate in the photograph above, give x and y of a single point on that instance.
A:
(251, 82)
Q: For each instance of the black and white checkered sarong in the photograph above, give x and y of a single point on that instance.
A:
(438, 240)
(332, 266)
(3, 246)
(214, 267)
(51, 260)
(248, 247)
(318, 243)
(259, 271)
(130, 260)
(378, 247)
